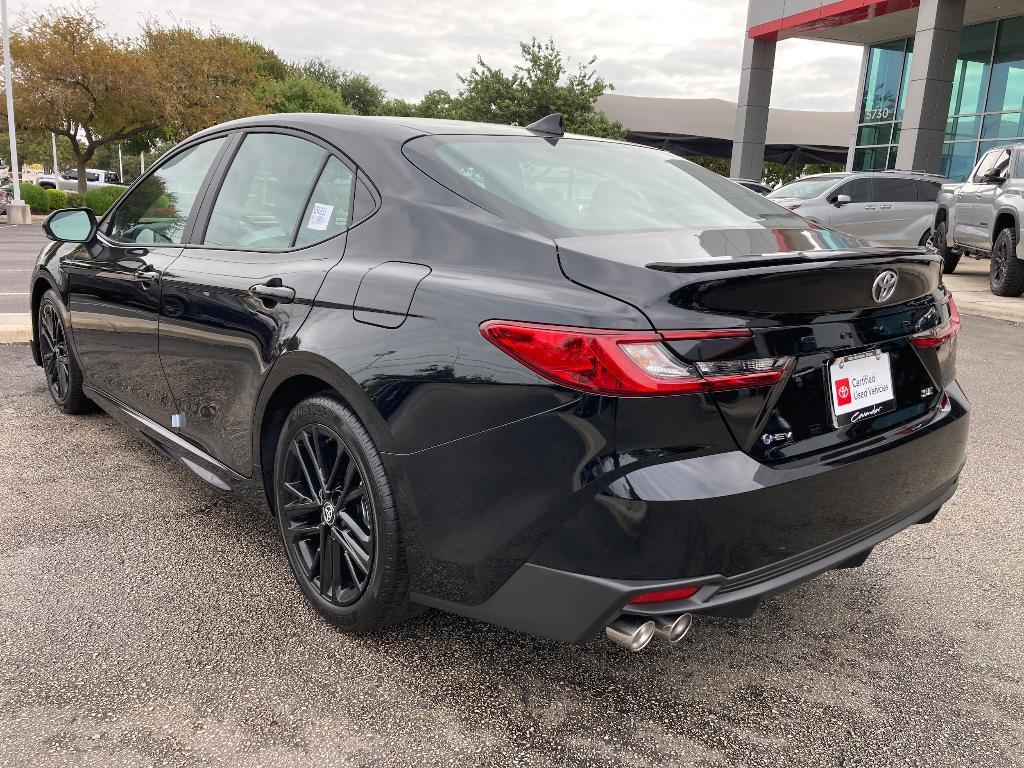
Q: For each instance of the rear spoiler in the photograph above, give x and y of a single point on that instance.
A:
(784, 259)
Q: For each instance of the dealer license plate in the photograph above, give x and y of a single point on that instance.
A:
(861, 387)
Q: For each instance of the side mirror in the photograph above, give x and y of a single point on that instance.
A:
(840, 200)
(70, 225)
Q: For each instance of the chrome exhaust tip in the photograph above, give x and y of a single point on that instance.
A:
(673, 628)
(632, 632)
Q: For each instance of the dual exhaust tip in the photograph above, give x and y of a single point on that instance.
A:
(636, 632)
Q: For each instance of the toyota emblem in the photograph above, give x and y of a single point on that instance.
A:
(884, 286)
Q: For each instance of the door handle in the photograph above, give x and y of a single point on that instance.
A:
(147, 275)
(282, 294)
(885, 207)
(870, 207)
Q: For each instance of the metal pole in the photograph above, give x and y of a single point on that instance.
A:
(8, 88)
(142, 163)
(120, 165)
(53, 145)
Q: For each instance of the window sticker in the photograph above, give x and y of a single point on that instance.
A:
(320, 216)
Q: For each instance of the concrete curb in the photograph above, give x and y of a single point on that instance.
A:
(15, 328)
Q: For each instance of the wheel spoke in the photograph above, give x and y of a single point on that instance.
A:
(352, 548)
(313, 447)
(354, 494)
(326, 569)
(352, 571)
(346, 483)
(297, 450)
(356, 528)
(342, 453)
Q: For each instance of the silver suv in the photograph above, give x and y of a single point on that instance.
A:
(981, 218)
(893, 207)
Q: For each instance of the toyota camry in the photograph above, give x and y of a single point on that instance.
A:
(561, 384)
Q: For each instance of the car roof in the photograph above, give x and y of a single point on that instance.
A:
(383, 126)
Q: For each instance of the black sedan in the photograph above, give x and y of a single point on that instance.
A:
(556, 383)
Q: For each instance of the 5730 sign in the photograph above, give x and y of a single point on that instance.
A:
(882, 113)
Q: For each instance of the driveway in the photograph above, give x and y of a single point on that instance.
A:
(147, 619)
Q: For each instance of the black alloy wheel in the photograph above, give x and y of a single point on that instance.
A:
(63, 376)
(53, 349)
(327, 522)
(338, 519)
(1006, 271)
(950, 256)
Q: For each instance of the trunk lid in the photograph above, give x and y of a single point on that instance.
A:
(807, 294)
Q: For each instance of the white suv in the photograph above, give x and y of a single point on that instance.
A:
(893, 207)
(68, 181)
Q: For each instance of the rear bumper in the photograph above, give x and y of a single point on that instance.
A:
(741, 529)
(572, 607)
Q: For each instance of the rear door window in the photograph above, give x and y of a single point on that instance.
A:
(896, 190)
(327, 212)
(264, 192)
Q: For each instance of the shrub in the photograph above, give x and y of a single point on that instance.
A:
(101, 198)
(34, 197)
(56, 199)
(75, 200)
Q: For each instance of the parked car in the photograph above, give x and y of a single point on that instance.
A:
(458, 385)
(893, 207)
(68, 181)
(6, 195)
(981, 218)
(756, 186)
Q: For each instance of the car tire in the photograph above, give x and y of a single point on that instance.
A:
(950, 256)
(348, 558)
(1006, 271)
(60, 367)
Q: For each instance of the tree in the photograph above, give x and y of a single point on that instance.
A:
(300, 94)
(357, 90)
(207, 78)
(439, 104)
(72, 79)
(541, 85)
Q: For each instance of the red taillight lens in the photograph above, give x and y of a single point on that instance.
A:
(626, 363)
(940, 334)
(665, 595)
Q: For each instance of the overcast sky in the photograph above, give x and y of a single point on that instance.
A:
(684, 48)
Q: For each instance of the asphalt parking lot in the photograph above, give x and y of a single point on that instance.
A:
(147, 619)
(19, 246)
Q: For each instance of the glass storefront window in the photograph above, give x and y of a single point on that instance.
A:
(958, 159)
(973, 67)
(1009, 125)
(986, 107)
(879, 133)
(1006, 92)
(870, 158)
(883, 80)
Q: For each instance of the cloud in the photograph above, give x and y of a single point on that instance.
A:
(681, 48)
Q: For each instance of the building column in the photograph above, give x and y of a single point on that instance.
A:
(858, 106)
(752, 109)
(936, 46)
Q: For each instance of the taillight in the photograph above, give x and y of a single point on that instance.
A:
(627, 363)
(941, 333)
(665, 595)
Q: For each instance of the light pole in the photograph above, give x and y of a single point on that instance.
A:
(17, 212)
(53, 146)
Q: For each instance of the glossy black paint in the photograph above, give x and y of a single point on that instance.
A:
(496, 471)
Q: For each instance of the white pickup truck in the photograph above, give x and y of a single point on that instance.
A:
(68, 181)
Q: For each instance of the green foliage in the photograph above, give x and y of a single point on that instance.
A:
(776, 174)
(34, 197)
(74, 200)
(357, 90)
(56, 199)
(298, 93)
(438, 104)
(717, 164)
(101, 198)
(397, 108)
(541, 85)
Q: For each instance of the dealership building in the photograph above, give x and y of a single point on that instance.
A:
(941, 81)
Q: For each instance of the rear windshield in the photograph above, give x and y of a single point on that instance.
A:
(805, 189)
(573, 186)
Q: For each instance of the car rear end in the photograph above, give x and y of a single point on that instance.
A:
(792, 403)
